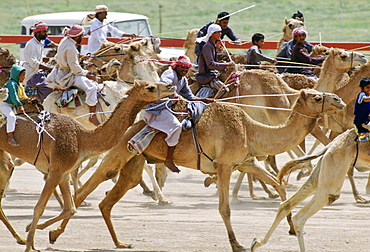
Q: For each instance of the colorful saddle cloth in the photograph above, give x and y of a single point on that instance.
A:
(138, 143)
(69, 99)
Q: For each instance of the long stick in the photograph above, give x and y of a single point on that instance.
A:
(246, 8)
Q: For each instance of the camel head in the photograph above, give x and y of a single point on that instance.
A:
(318, 50)
(343, 59)
(313, 103)
(109, 70)
(191, 36)
(6, 58)
(32, 105)
(3, 94)
(290, 25)
(150, 92)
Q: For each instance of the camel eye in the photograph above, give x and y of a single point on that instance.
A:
(318, 98)
(151, 89)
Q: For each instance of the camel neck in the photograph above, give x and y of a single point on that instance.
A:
(109, 133)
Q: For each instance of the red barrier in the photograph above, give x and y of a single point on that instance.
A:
(166, 42)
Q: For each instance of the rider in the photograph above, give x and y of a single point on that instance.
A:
(69, 73)
(15, 93)
(222, 20)
(100, 27)
(157, 115)
(362, 107)
(36, 70)
(207, 61)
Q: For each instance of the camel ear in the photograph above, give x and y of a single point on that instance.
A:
(137, 84)
(135, 47)
(286, 21)
(304, 93)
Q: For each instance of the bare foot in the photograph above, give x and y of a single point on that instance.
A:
(12, 142)
(94, 120)
(170, 165)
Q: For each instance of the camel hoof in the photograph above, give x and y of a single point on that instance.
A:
(165, 203)
(274, 196)
(124, 245)
(148, 193)
(254, 244)
(28, 227)
(258, 198)
(361, 200)
(85, 204)
(21, 241)
(53, 236)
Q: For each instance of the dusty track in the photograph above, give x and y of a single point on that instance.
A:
(192, 223)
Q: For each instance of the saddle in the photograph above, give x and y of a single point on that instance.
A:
(73, 98)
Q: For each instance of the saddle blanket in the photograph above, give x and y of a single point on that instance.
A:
(138, 143)
(69, 99)
(364, 137)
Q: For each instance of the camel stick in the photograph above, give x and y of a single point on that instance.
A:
(122, 41)
(246, 8)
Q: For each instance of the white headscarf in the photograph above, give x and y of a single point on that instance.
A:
(211, 29)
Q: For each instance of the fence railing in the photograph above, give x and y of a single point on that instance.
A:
(167, 42)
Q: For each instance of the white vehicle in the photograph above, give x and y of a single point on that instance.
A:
(127, 22)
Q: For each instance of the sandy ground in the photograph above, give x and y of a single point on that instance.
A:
(191, 223)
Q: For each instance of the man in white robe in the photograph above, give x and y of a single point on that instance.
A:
(100, 27)
(69, 73)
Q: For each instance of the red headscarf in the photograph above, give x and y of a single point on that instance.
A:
(76, 30)
(299, 30)
(39, 26)
(183, 61)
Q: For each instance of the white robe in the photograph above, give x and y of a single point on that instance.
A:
(99, 32)
(69, 73)
(33, 54)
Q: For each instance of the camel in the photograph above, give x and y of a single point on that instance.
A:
(324, 184)
(7, 168)
(231, 127)
(73, 144)
(189, 44)
(290, 25)
(7, 59)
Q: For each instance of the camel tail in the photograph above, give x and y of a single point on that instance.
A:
(297, 164)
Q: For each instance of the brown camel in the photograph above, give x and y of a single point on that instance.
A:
(7, 168)
(324, 183)
(290, 25)
(231, 127)
(73, 144)
(7, 59)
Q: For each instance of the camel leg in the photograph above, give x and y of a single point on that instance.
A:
(130, 176)
(6, 171)
(91, 163)
(254, 167)
(368, 185)
(69, 208)
(54, 178)
(268, 191)
(162, 201)
(307, 189)
(108, 169)
(146, 189)
(237, 187)
(356, 194)
(160, 174)
(223, 183)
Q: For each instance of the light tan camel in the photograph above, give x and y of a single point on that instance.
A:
(7, 59)
(7, 167)
(290, 25)
(231, 127)
(189, 44)
(73, 144)
(338, 122)
(324, 183)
